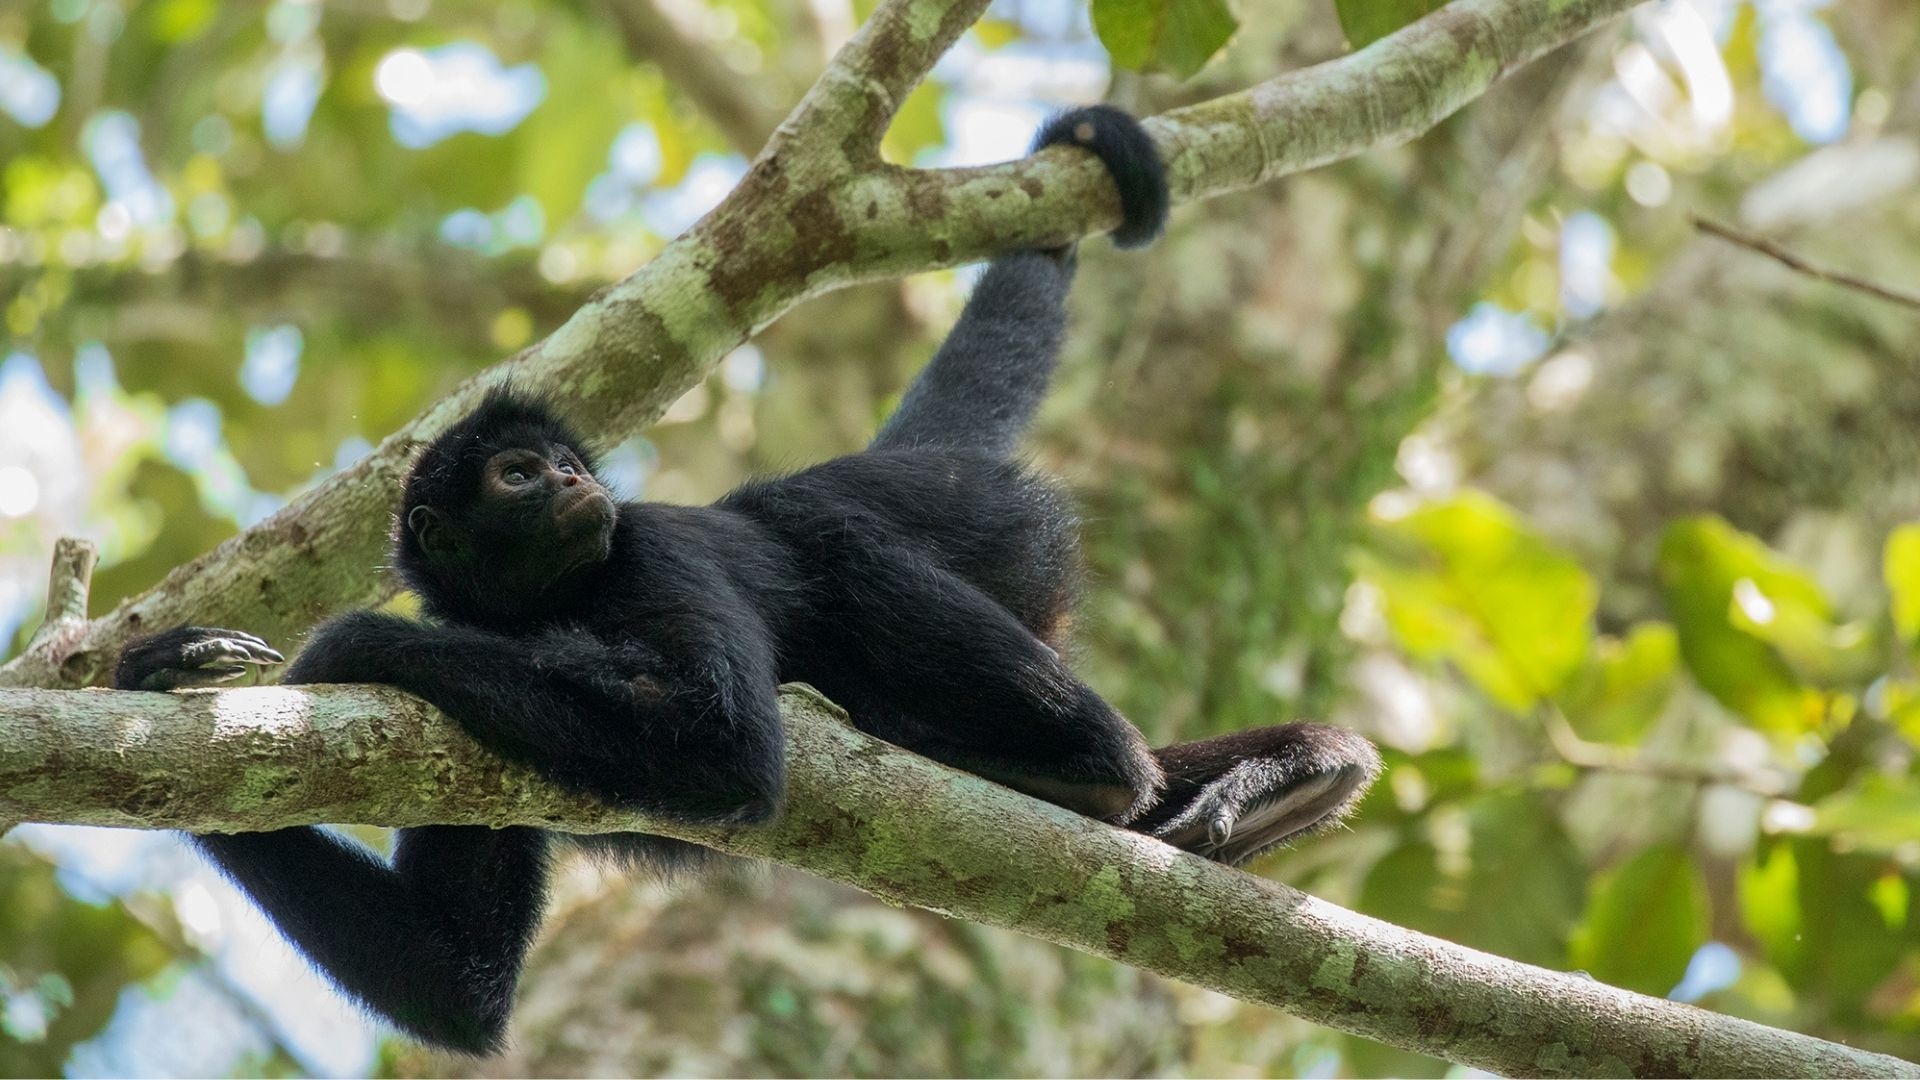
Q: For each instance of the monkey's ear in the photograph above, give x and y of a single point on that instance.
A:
(429, 528)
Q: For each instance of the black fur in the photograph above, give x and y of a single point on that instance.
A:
(631, 651)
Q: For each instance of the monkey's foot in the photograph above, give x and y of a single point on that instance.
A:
(1236, 796)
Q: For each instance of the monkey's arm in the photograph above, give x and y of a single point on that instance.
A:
(694, 735)
(433, 942)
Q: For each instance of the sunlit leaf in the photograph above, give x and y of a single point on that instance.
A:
(175, 21)
(1646, 919)
(1903, 581)
(1468, 583)
(1898, 702)
(1624, 685)
(1367, 21)
(1725, 591)
(1881, 813)
(1173, 36)
(997, 33)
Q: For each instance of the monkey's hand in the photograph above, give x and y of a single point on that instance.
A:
(191, 656)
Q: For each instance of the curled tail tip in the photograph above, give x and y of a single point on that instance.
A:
(1128, 152)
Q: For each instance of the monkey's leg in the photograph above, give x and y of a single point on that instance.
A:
(433, 942)
(1238, 795)
(949, 673)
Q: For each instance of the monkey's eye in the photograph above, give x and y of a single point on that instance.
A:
(568, 468)
(516, 475)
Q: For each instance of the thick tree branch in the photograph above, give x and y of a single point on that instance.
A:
(815, 212)
(903, 828)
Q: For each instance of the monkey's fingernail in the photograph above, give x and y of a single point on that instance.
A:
(1220, 829)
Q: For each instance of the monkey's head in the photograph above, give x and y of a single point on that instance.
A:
(502, 512)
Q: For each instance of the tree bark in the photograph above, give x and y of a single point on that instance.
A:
(902, 828)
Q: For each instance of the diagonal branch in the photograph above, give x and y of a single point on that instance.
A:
(903, 828)
(849, 107)
(1799, 264)
(816, 212)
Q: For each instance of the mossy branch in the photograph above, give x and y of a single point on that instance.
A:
(818, 210)
(903, 828)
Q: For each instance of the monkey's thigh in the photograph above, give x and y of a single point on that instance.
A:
(922, 658)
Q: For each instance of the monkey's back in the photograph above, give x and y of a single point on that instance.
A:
(1006, 529)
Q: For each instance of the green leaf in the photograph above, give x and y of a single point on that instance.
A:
(1735, 605)
(1903, 581)
(1367, 21)
(1898, 702)
(1467, 582)
(176, 21)
(1646, 919)
(997, 33)
(1624, 685)
(1769, 890)
(1516, 893)
(1845, 945)
(1880, 813)
(1173, 36)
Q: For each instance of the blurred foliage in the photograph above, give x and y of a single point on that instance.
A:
(1367, 21)
(63, 964)
(1174, 36)
(1608, 535)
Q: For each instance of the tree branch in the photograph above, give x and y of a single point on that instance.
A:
(901, 827)
(815, 212)
(1799, 264)
(68, 586)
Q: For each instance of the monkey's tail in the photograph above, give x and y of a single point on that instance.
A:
(1125, 148)
(983, 386)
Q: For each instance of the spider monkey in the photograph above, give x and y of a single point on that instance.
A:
(631, 650)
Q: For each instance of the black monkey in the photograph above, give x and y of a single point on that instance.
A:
(631, 650)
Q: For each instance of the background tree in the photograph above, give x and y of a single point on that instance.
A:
(243, 242)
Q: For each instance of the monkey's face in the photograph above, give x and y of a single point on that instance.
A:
(544, 498)
(537, 516)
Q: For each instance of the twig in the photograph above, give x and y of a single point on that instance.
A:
(1600, 757)
(1792, 261)
(68, 586)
